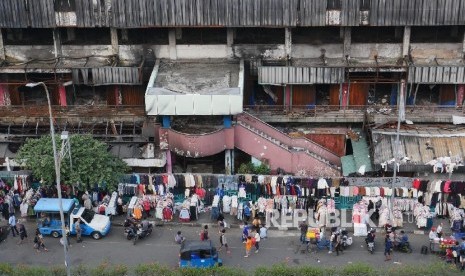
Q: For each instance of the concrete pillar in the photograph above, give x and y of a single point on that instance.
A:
(347, 41)
(227, 122)
(71, 34)
(287, 97)
(57, 42)
(401, 104)
(166, 121)
(62, 95)
(114, 40)
(406, 41)
(169, 165)
(463, 45)
(229, 161)
(2, 47)
(288, 42)
(172, 44)
(230, 41)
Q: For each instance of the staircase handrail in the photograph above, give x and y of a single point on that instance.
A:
(290, 137)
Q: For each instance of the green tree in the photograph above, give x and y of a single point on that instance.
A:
(91, 161)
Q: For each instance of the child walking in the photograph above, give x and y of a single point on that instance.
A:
(248, 247)
(223, 241)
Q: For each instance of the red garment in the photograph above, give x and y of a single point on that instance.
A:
(447, 186)
(165, 178)
(416, 183)
(381, 191)
(200, 192)
(146, 205)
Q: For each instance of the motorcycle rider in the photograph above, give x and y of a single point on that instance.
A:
(371, 236)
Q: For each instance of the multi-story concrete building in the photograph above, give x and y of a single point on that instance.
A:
(168, 82)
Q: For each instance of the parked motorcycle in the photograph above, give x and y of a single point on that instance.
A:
(405, 247)
(143, 231)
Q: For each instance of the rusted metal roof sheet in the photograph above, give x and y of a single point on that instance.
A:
(23, 14)
(232, 13)
(413, 144)
(437, 74)
(417, 12)
(107, 75)
(90, 13)
(277, 75)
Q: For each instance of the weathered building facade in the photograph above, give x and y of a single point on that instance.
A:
(129, 71)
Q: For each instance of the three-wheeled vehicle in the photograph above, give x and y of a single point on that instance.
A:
(199, 254)
(48, 212)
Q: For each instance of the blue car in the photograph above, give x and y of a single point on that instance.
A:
(199, 254)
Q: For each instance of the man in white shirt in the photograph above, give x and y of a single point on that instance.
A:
(12, 223)
(439, 230)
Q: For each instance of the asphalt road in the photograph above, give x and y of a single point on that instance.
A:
(281, 246)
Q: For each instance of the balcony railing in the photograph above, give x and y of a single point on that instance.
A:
(103, 111)
(328, 110)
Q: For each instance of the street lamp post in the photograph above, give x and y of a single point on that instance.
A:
(400, 106)
(57, 174)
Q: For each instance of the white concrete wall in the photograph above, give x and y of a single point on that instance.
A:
(88, 50)
(436, 50)
(28, 52)
(369, 50)
(314, 51)
(201, 51)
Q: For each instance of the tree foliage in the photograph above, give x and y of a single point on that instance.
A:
(91, 161)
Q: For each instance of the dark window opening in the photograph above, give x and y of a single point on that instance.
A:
(65, 5)
(349, 149)
(316, 36)
(437, 34)
(85, 36)
(143, 36)
(259, 36)
(365, 5)
(201, 36)
(322, 95)
(27, 36)
(83, 95)
(376, 35)
(334, 5)
(427, 94)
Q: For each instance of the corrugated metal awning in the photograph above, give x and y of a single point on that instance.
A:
(419, 146)
(278, 75)
(437, 74)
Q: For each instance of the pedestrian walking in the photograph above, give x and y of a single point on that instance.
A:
(245, 232)
(77, 228)
(303, 230)
(39, 241)
(224, 241)
(257, 241)
(22, 231)
(248, 246)
(388, 248)
(12, 224)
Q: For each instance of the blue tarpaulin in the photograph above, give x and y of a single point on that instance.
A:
(52, 205)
